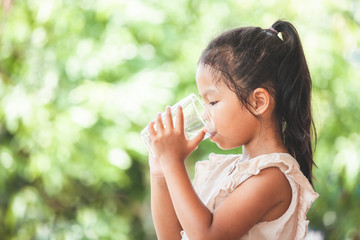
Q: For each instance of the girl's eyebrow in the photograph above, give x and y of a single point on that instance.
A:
(207, 92)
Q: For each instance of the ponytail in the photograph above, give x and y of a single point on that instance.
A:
(293, 99)
(252, 57)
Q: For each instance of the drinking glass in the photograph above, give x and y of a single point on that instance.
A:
(196, 118)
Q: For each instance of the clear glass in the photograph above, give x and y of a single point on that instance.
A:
(196, 119)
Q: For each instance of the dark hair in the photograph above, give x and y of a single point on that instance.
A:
(252, 57)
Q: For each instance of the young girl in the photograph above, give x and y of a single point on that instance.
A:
(256, 88)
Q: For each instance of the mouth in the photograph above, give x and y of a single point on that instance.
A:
(211, 135)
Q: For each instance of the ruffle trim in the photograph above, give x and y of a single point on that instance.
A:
(206, 167)
(307, 197)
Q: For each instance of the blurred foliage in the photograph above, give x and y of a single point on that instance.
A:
(80, 79)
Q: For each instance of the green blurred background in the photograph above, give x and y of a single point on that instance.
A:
(80, 79)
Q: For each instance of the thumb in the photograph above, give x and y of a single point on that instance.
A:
(197, 139)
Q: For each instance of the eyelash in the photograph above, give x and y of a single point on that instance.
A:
(212, 103)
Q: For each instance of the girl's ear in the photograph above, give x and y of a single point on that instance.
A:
(260, 100)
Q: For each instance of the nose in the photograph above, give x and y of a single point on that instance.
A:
(205, 115)
(210, 126)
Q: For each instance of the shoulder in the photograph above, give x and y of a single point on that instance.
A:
(262, 197)
(277, 187)
(270, 182)
(269, 194)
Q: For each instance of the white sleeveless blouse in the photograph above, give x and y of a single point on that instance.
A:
(217, 177)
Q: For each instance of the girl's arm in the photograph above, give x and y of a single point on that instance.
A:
(248, 204)
(253, 200)
(167, 225)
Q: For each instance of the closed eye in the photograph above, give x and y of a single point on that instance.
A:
(212, 103)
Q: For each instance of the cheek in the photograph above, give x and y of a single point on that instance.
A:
(224, 115)
(234, 121)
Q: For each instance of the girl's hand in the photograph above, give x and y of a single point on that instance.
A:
(169, 143)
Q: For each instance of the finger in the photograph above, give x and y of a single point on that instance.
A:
(180, 119)
(159, 124)
(151, 129)
(197, 139)
(168, 118)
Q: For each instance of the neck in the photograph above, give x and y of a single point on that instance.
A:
(267, 140)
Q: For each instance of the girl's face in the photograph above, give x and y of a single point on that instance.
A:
(234, 124)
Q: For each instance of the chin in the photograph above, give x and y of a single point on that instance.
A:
(225, 147)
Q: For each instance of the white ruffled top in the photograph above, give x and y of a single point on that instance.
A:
(217, 177)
